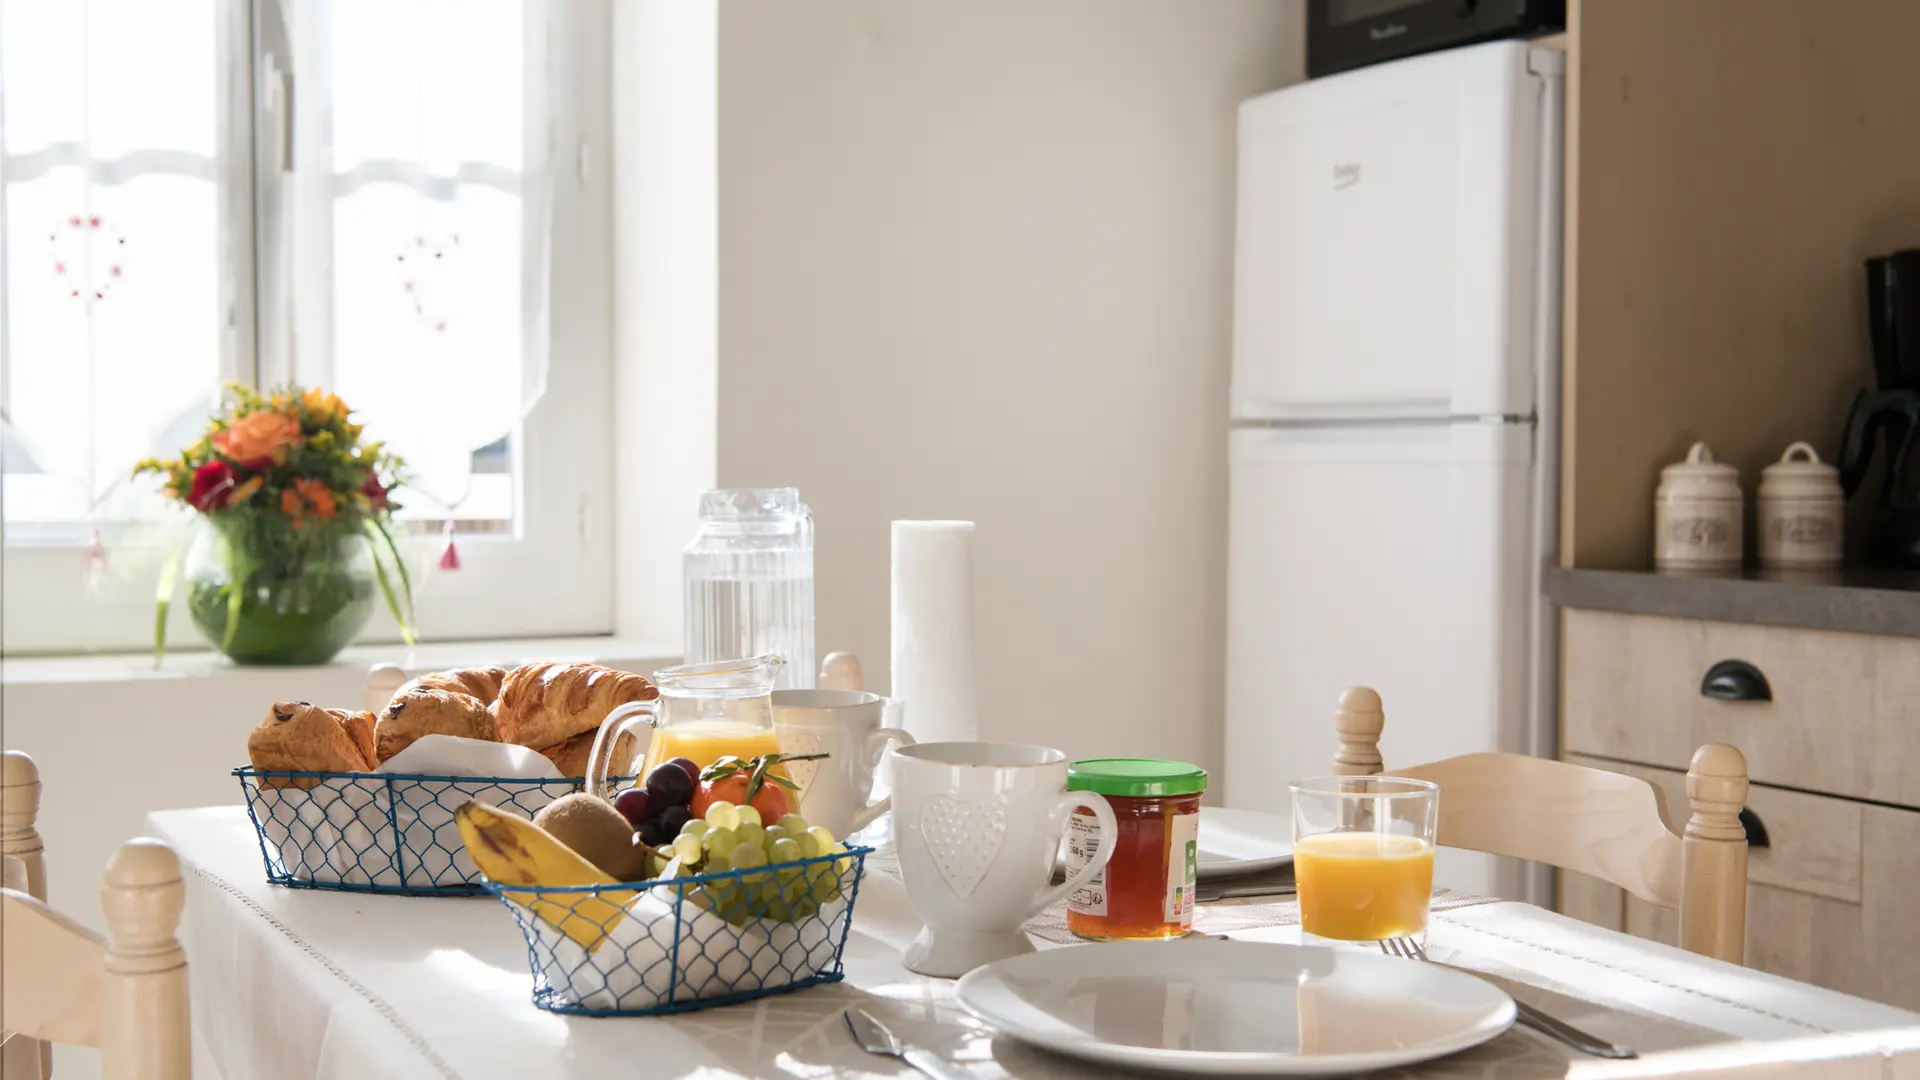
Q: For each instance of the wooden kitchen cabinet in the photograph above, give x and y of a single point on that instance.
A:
(1834, 895)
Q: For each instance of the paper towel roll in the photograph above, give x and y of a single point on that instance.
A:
(933, 629)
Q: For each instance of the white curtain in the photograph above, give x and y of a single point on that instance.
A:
(416, 222)
(111, 312)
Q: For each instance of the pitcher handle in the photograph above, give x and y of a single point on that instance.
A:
(600, 758)
(877, 741)
(1063, 809)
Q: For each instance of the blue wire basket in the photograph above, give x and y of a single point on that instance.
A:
(692, 942)
(378, 832)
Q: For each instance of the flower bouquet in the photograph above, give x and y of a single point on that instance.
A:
(294, 532)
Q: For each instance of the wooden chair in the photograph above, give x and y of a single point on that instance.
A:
(60, 982)
(1605, 824)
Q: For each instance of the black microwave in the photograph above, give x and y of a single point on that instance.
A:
(1346, 34)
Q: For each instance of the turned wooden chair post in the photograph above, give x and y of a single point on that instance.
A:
(840, 671)
(1713, 862)
(382, 681)
(1359, 720)
(20, 840)
(1591, 821)
(144, 1023)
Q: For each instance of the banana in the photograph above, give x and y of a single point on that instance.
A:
(511, 850)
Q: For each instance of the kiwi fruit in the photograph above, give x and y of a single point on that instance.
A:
(597, 832)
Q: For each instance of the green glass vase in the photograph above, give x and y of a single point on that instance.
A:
(265, 592)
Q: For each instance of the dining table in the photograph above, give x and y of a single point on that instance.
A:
(302, 983)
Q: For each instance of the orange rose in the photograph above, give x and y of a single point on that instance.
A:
(318, 496)
(291, 505)
(258, 437)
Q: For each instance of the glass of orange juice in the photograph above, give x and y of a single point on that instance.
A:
(1363, 856)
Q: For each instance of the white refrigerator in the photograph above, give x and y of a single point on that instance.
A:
(1394, 447)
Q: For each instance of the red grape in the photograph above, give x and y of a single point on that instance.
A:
(687, 764)
(671, 819)
(633, 804)
(669, 785)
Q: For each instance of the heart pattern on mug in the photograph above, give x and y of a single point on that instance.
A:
(795, 741)
(964, 836)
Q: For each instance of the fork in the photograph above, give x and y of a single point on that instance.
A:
(1409, 949)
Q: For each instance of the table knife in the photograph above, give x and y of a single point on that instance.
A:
(874, 1038)
(1203, 896)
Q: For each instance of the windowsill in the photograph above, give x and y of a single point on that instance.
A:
(205, 666)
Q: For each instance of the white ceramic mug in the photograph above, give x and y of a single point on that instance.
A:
(846, 726)
(976, 825)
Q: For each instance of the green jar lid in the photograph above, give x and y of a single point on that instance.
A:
(1146, 777)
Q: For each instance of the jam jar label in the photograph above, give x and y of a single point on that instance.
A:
(1183, 864)
(1083, 843)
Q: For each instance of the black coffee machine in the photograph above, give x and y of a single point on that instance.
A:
(1892, 411)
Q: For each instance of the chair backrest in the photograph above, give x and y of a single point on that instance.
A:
(125, 993)
(382, 681)
(1588, 820)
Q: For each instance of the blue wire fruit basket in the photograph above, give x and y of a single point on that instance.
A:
(378, 832)
(691, 942)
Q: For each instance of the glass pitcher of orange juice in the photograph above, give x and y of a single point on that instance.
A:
(704, 712)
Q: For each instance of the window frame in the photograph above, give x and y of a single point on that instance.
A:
(552, 575)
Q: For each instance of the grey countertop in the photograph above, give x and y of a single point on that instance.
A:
(1854, 600)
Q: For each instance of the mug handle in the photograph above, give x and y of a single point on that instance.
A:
(877, 741)
(1109, 833)
(600, 758)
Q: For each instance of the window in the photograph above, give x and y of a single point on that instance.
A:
(391, 198)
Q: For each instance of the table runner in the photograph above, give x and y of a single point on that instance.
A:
(303, 984)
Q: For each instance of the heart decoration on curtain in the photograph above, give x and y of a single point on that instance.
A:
(426, 276)
(87, 256)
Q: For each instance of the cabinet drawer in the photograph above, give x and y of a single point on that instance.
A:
(1828, 900)
(1844, 717)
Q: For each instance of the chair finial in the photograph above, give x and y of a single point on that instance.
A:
(18, 770)
(1716, 790)
(1359, 719)
(382, 681)
(841, 671)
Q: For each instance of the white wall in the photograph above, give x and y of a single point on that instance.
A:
(975, 262)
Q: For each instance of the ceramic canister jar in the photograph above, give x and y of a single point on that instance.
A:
(1696, 515)
(1799, 511)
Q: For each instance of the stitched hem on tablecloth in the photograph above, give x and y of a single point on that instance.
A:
(379, 1004)
(1717, 999)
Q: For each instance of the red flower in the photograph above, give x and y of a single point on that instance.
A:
(375, 492)
(211, 483)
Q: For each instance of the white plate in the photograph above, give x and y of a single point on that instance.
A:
(1234, 1008)
(1235, 842)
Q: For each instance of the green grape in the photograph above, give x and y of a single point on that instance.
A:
(688, 848)
(720, 842)
(809, 844)
(774, 834)
(751, 833)
(824, 886)
(723, 815)
(751, 813)
(793, 823)
(717, 864)
(785, 850)
(823, 842)
(766, 900)
(750, 857)
(695, 827)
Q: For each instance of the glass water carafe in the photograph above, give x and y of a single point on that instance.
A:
(704, 712)
(749, 581)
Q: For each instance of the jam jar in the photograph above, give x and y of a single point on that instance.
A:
(1146, 889)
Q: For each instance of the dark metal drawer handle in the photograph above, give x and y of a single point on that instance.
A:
(1756, 832)
(1735, 680)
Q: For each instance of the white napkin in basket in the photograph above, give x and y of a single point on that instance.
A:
(633, 967)
(342, 831)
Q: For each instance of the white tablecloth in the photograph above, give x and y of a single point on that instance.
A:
(300, 984)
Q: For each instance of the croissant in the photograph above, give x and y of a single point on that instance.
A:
(424, 712)
(544, 705)
(298, 737)
(481, 683)
(359, 728)
(570, 757)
